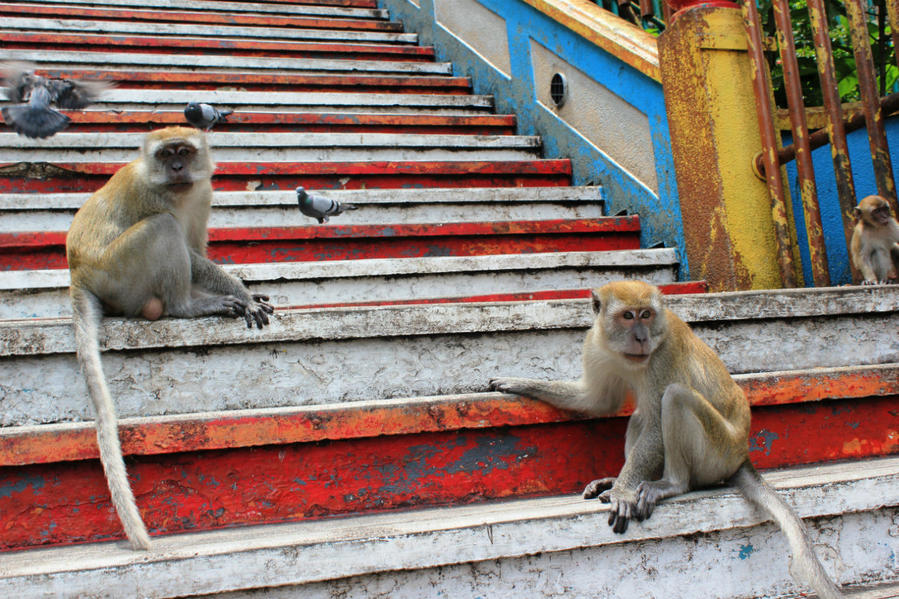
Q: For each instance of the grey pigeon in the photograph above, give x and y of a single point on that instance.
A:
(205, 116)
(318, 207)
(31, 114)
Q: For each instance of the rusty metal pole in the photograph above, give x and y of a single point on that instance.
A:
(762, 89)
(867, 84)
(836, 128)
(807, 188)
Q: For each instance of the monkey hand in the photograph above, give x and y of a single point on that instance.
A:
(508, 385)
(622, 505)
(257, 310)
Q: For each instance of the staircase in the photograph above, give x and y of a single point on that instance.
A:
(351, 446)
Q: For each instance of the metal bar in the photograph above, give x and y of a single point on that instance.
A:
(836, 128)
(893, 12)
(799, 125)
(762, 90)
(867, 84)
(889, 105)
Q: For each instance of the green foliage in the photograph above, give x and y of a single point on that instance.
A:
(844, 59)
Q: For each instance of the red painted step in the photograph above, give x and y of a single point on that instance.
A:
(284, 82)
(207, 18)
(203, 472)
(201, 46)
(300, 122)
(19, 251)
(234, 176)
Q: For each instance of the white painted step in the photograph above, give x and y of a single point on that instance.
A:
(117, 100)
(218, 6)
(279, 147)
(197, 30)
(313, 357)
(44, 293)
(54, 211)
(707, 544)
(205, 62)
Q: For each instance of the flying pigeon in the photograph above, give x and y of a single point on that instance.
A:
(205, 116)
(31, 114)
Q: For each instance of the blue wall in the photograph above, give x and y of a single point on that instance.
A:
(660, 214)
(863, 176)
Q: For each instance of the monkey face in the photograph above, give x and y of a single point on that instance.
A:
(874, 210)
(176, 161)
(176, 158)
(631, 318)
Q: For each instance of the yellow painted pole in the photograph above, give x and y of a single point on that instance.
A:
(707, 79)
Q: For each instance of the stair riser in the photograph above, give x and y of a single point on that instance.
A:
(60, 42)
(55, 302)
(73, 177)
(329, 9)
(105, 14)
(289, 216)
(732, 564)
(314, 480)
(200, 30)
(268, 374)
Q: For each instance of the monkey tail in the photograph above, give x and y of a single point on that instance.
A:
(87, 313)
(761, 495)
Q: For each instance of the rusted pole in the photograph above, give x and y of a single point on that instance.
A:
(867, 84)
(893, 12)
(807, 188)
(761, 88)
(836, 129)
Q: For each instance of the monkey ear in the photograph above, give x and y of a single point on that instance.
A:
(856, 212)
(597, 303)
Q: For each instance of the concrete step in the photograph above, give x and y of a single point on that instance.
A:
(181, 29)
(49, 10)
(321, 356)
(496, 549)
(53, 212)
(272, 147)
(59, 41)
(26, 250)
(44, 177)
(377, 456)
(272, 81)
(281, 8)
(157, 62)
(44, 293)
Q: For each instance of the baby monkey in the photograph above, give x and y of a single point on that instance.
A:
(137, 247)
(875, 241)
(690, 428)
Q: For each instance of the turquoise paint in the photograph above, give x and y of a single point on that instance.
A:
(825, 181)
(746, 551)
(660, 213)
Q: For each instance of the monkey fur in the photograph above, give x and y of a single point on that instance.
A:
(690, 428)
(137, 248)
(874, 246)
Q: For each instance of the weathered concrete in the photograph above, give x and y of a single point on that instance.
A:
(44, 293)
(239, 7)
(349, 354)
(252, 147)
(54, 211)
(218, 31)
(48, 58)
(709, 544)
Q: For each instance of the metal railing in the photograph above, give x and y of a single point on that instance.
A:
(773, 157)
(651, 15)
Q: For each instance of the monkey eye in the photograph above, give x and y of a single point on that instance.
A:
(646, 314)
(627, 315)
(183, 151)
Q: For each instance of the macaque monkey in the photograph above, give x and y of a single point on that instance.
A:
(137, 248)
(875, 241)
(690, 428)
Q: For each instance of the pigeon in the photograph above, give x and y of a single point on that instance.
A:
(205, 116)
(318, 207)
(31, 114)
